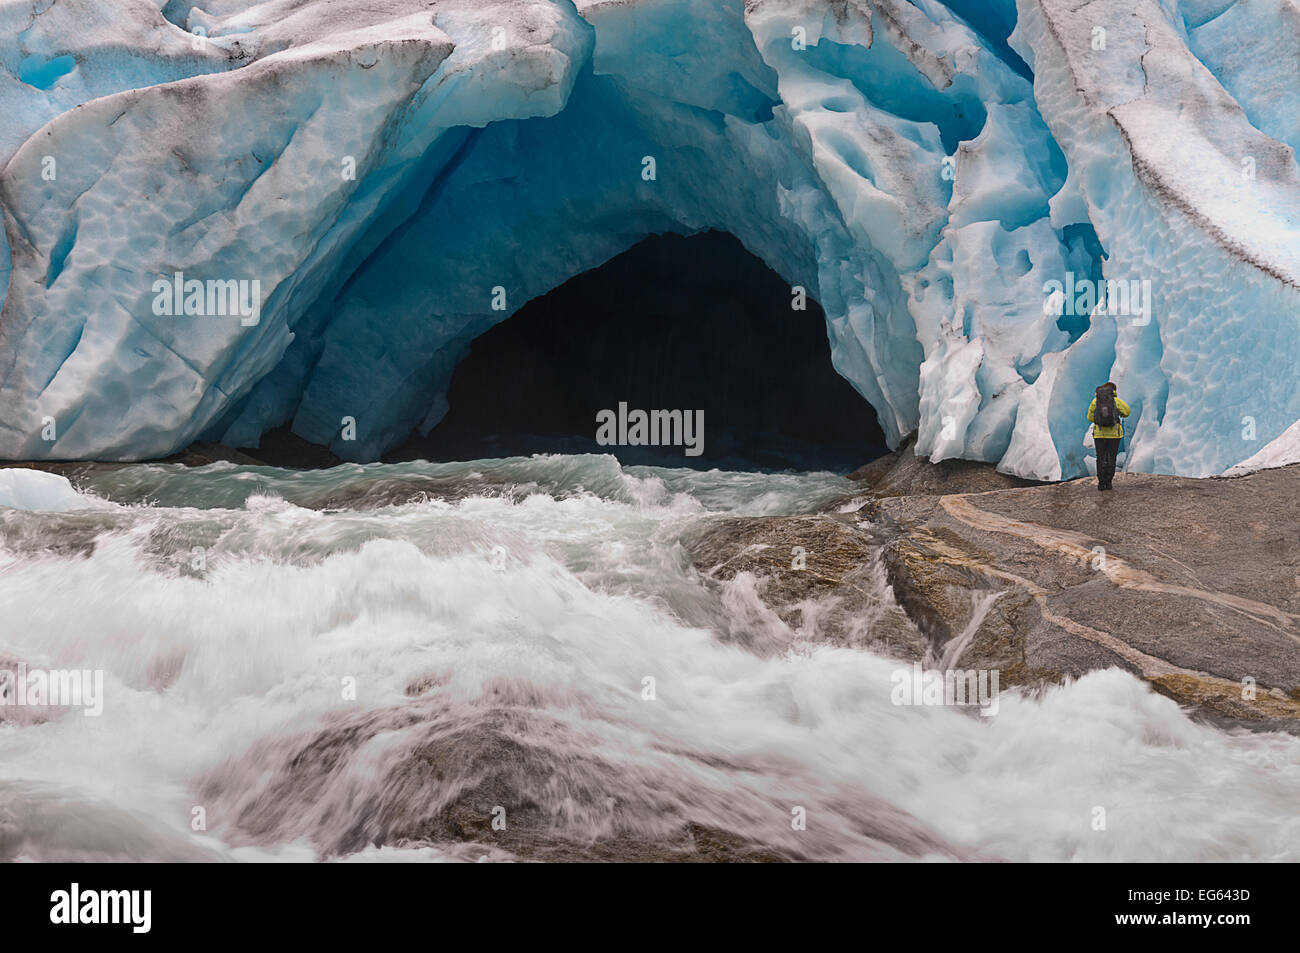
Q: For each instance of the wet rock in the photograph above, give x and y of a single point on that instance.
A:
(203, 452)
(902, 473)
(820, 574)
(1191, 584)
(282, 447)
(432, 772)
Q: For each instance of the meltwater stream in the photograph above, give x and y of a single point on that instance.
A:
(378, 662)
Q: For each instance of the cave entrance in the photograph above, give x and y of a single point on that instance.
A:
(674, 323)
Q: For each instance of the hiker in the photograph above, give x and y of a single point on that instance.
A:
(1105, 412)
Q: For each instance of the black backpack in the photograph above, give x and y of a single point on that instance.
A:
(1105, 414)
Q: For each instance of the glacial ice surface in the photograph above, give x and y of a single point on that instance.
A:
(400, 175)
(38, 491)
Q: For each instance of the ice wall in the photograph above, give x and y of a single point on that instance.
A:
(398, 176)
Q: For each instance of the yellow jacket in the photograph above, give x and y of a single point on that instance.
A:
(1109, 432)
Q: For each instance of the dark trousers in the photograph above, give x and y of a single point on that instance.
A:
(1107, 448)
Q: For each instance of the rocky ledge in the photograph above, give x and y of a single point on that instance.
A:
(1191, 584)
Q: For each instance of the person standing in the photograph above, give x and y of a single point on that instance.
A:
(1104, 413)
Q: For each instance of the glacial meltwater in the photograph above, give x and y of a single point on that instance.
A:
(514, 660)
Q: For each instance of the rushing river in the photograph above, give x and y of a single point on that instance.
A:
(516, 659)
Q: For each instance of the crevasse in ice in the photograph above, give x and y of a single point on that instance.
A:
(998, 206)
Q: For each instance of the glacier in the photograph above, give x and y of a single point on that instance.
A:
(400, 176)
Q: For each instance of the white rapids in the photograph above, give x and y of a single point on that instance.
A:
(364, 663)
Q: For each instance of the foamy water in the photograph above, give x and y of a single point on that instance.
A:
(365, 663)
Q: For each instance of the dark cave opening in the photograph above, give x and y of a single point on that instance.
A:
(695, 324)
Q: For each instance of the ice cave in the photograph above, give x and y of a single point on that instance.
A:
(690, 323)
(399, 177)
